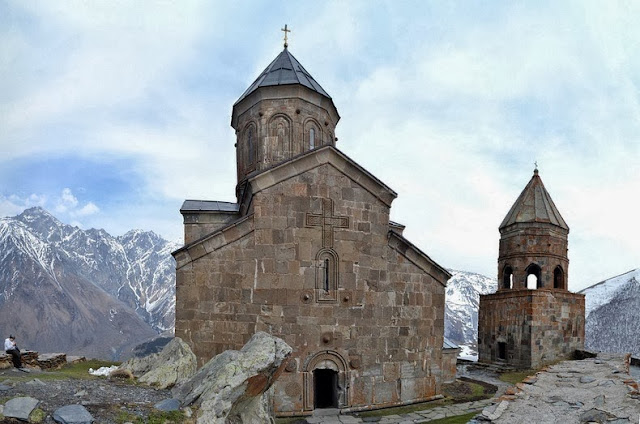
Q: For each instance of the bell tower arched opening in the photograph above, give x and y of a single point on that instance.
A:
(507, 278)
(558, 278)
(534, 277)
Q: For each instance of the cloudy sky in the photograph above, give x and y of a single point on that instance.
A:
(114, 112)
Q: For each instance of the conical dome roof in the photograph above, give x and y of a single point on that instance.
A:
(534, 205)
(284, 70)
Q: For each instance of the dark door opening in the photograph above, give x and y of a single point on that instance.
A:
(502, 350)
(325, 388)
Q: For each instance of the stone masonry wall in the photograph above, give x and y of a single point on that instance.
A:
(382, 330)
(537, 326)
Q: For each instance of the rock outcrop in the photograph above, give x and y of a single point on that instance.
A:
(230, 388)
(174, 365)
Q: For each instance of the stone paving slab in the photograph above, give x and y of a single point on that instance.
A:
(423, 416)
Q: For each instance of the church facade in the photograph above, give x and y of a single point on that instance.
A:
(308, 254)
(532, 319)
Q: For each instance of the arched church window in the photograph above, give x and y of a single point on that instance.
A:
(327, 275)
(534, 274)
(558, 278)
(312, 135)
(251, 157)
(279, 138)
(507, 278)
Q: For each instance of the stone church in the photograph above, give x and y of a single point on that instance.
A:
(532, 319)
(308, 254)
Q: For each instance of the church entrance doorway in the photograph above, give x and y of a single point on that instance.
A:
(325, 388)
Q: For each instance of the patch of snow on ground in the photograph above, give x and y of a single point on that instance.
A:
(103, 371)
(466, 352)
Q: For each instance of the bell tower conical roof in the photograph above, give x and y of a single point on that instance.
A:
(534, 205)
(284, 70)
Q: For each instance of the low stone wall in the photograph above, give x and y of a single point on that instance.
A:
(33, 359)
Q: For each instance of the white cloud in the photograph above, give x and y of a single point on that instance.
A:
(88, 209)
(450, 106)
(15, 204)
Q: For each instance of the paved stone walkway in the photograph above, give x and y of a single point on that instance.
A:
(415, 417)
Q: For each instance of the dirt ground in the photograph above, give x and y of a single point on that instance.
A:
(109, 402)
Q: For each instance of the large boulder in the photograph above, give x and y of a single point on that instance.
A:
(174, 365)
(230, 387)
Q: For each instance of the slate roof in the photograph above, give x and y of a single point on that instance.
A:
(208, 206)
(534, 205)
(284, 70)
(448, 344)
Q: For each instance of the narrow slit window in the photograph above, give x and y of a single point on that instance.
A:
(312, 138)
(325, 283)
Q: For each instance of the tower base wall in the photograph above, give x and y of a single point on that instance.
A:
(530, 328)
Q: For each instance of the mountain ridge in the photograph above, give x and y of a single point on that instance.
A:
(83, 292)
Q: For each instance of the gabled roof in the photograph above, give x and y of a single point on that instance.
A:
(327, 154)
(284, 70)
(534, 205)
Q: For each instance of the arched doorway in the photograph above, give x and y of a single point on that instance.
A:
(325, 381)
(325, 388)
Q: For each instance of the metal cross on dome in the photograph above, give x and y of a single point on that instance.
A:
(285, 30)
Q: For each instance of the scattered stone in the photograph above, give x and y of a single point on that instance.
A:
(168, 405)
(511, 390)
(20, 407)
(494, 412)
(174, 365)
(80, 393)
(596, 416)
(4, 388)
(564, 375)
(230, 387)
(587, 379)
(121, 374)
(607, 383)
(598, 401)
(530, 380)
(35, 382)
(72, 414)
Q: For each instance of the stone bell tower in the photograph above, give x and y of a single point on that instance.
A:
(532, 319)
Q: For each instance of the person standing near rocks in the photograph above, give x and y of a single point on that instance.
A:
(11, 348)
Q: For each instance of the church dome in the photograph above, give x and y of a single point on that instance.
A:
(283, 114)
(284, 70)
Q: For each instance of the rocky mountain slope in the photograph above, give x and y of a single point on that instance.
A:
(82, 292)
(612, 314)
(461, 308)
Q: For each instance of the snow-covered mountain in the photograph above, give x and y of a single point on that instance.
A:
(66, 289)
(461, 308)
(612, 309)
